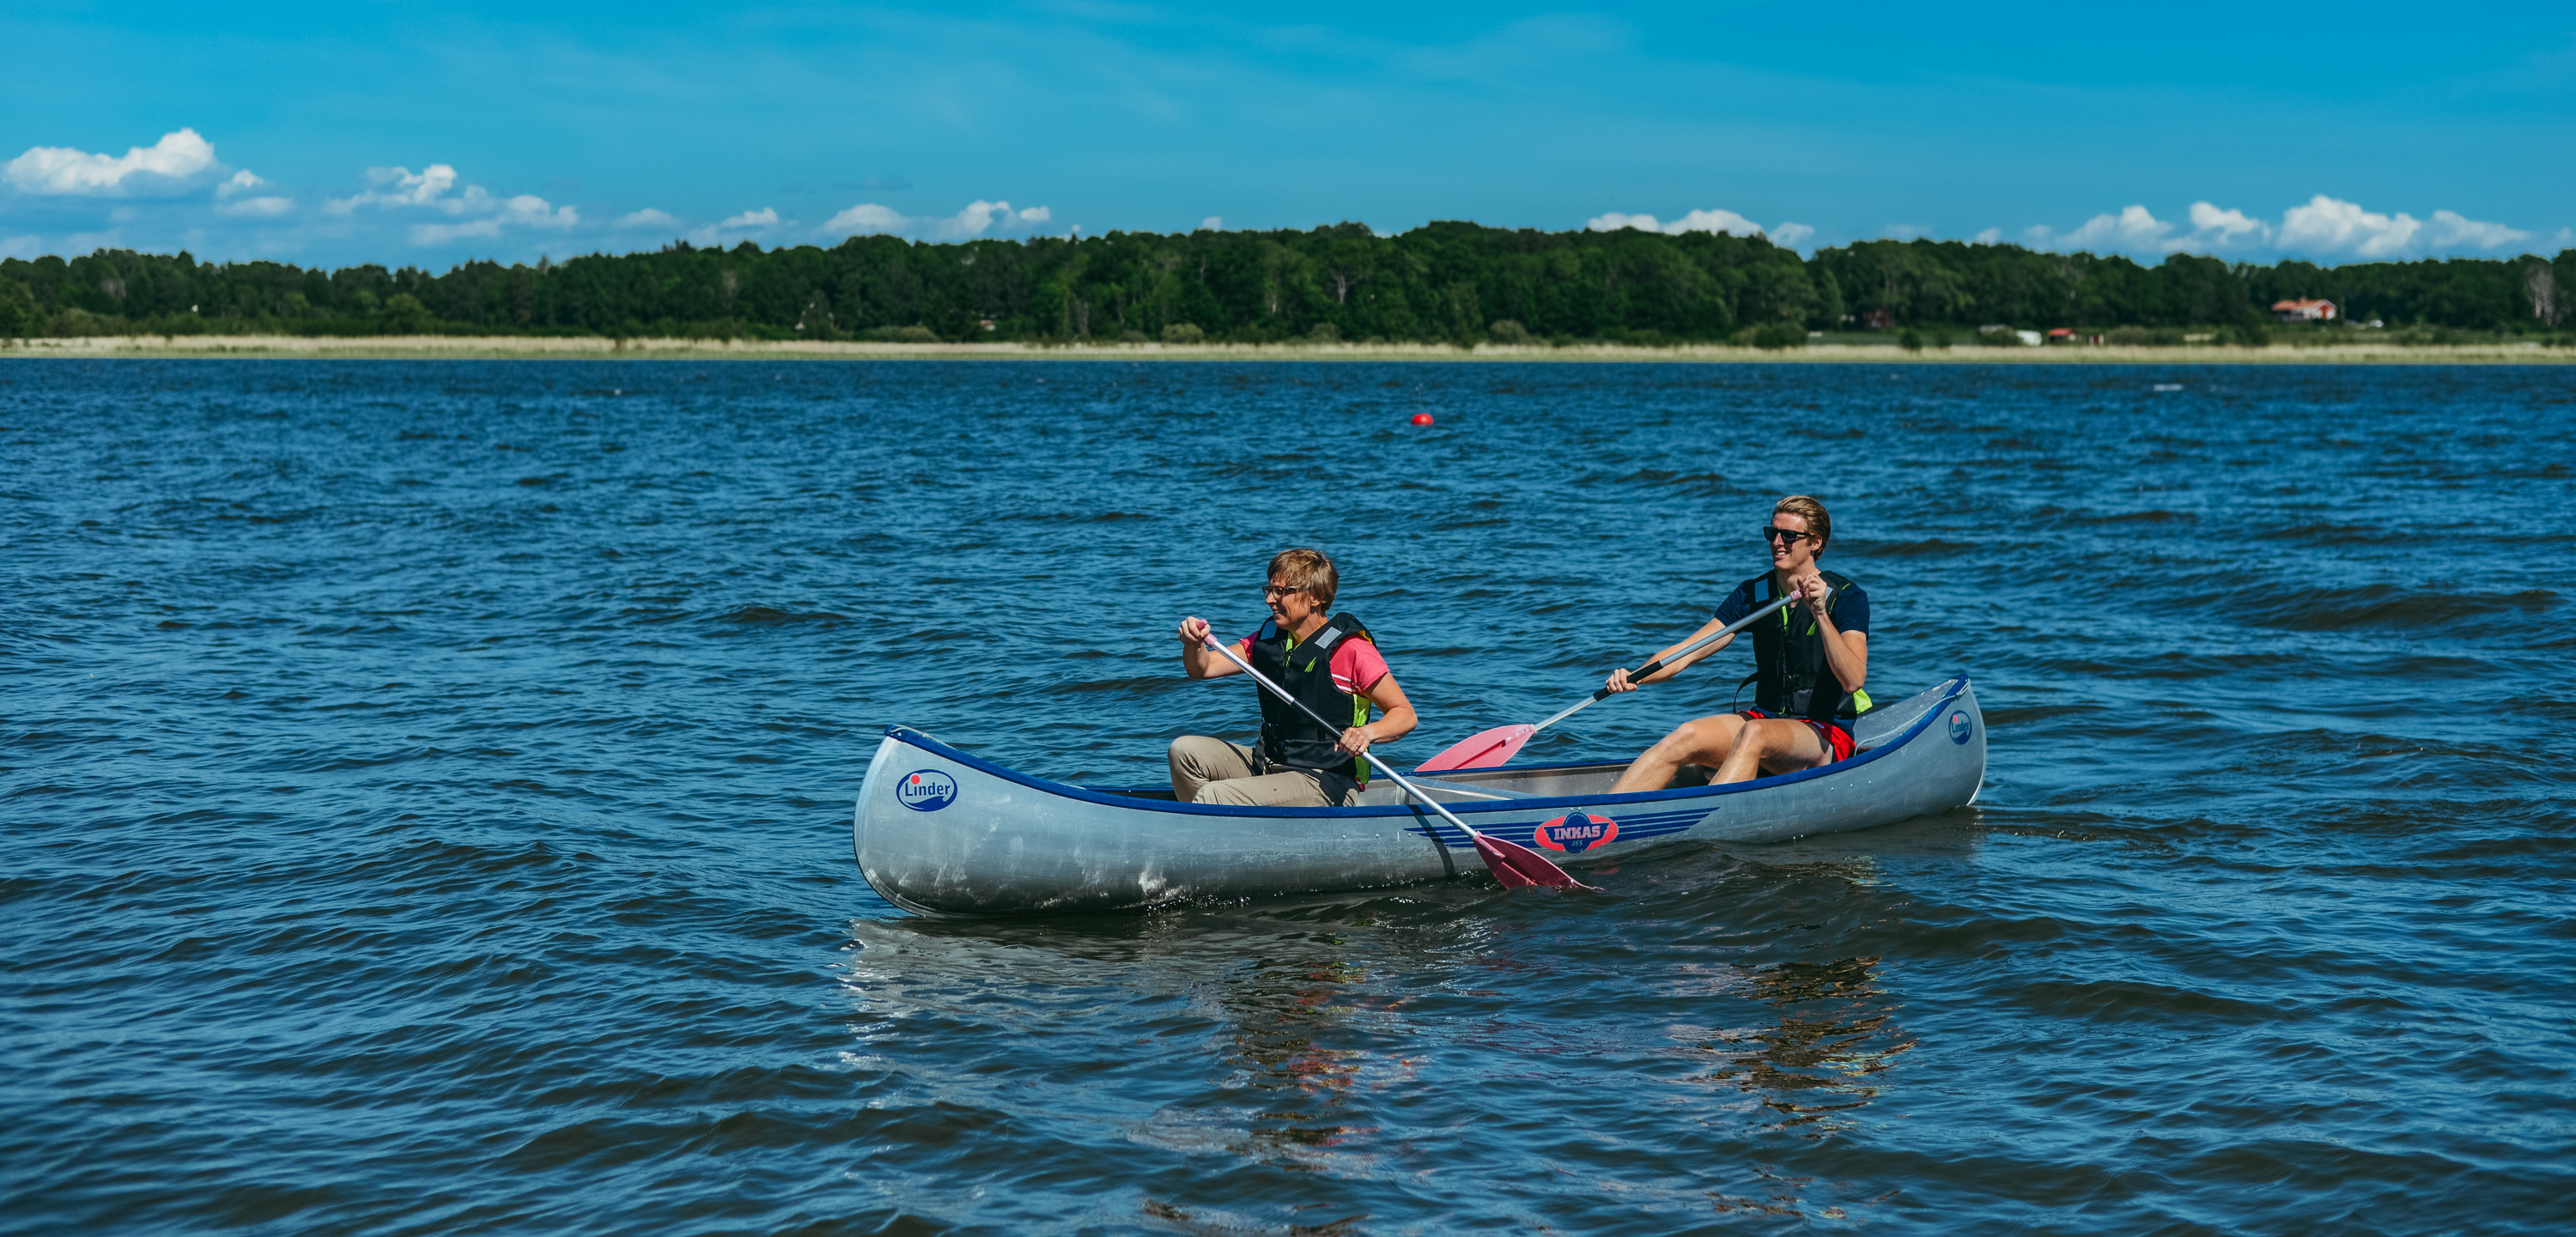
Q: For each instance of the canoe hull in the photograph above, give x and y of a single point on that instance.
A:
(942, 832)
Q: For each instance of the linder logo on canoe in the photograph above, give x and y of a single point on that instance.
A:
(1576, 832)
(926, 790)
(1961, 727)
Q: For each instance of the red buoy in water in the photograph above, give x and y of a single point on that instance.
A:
(1422, 418)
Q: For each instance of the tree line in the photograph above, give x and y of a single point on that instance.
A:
(1457, 283)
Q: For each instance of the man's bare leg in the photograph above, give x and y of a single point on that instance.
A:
(1769, 744)
(1700, 741)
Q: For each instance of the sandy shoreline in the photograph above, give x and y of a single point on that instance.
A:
(457, 347)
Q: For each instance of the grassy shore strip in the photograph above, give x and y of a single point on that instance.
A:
(464, 347)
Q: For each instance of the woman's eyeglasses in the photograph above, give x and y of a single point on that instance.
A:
(1781, 534)
(1269, 591)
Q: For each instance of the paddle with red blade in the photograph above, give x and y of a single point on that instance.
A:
(1513, 864)
(1497, 746)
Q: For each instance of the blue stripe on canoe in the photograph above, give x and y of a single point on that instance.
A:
(1634, 827)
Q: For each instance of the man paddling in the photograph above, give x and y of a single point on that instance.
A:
(1330, 663)
(1809, 667)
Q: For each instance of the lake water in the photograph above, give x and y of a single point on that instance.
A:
(427, 794)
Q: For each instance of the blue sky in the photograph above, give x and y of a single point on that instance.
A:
(429, 134)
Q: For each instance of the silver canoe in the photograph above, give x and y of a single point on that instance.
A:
(940, 832)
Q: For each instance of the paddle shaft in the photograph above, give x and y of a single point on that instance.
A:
(1658, 664)
(1371, 757)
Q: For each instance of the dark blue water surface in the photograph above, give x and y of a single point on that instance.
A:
(427, 794)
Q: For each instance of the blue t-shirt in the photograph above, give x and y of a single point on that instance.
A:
(1850, 606)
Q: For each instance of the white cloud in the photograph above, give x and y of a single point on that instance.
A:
(525, 211)
(241, 182)
(761, 220)
(1991, 236)
(647, 218)
(62, 170)
(865, 218)
(426, 188)
(20, 246)
(1213, 223)
(2225, 227)
(2451, 230)
(1726, 222)
(2137, 230)
(868, 218)
(2332, 225)
(2324, 225)
(397, 188)
(2133, 228)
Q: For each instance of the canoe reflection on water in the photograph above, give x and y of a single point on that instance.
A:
(1279, 1016)
(1195, 1033)
(1387, 1038)
(1819, 1064)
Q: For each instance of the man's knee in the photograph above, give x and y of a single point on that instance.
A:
(1761, 734)
(1782, 739)
(1706, 734)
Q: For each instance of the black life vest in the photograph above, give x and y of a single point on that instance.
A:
(1289, 737)
(1789, 671)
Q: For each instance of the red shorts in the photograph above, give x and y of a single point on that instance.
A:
(1838, 741)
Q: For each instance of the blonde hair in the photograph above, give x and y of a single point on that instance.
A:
(1306, 571)
(1813, 513)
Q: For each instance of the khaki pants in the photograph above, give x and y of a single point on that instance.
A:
(1206, 770)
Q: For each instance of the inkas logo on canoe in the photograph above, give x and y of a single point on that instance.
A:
(926, 790)
(1576, 832)
(1961, 727)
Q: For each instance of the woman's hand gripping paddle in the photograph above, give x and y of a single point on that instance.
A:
(1512, 864)
(1498, 745)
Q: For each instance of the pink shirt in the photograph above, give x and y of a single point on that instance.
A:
(1356, 664)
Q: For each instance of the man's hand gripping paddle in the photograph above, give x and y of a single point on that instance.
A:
(1514, 865)
(1497, 746)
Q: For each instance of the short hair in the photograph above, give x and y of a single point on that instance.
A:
(1306, 571)
(1813, 513)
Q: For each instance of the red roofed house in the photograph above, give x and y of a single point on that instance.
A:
(2303, 311)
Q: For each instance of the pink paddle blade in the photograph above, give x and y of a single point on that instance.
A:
(1484, 750)
(1519, 866)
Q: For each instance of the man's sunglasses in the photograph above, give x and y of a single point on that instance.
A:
(1784, 534)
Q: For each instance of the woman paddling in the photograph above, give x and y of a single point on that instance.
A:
(1809, 667)
(1331, 664)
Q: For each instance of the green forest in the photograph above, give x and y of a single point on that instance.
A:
(1455, 283)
